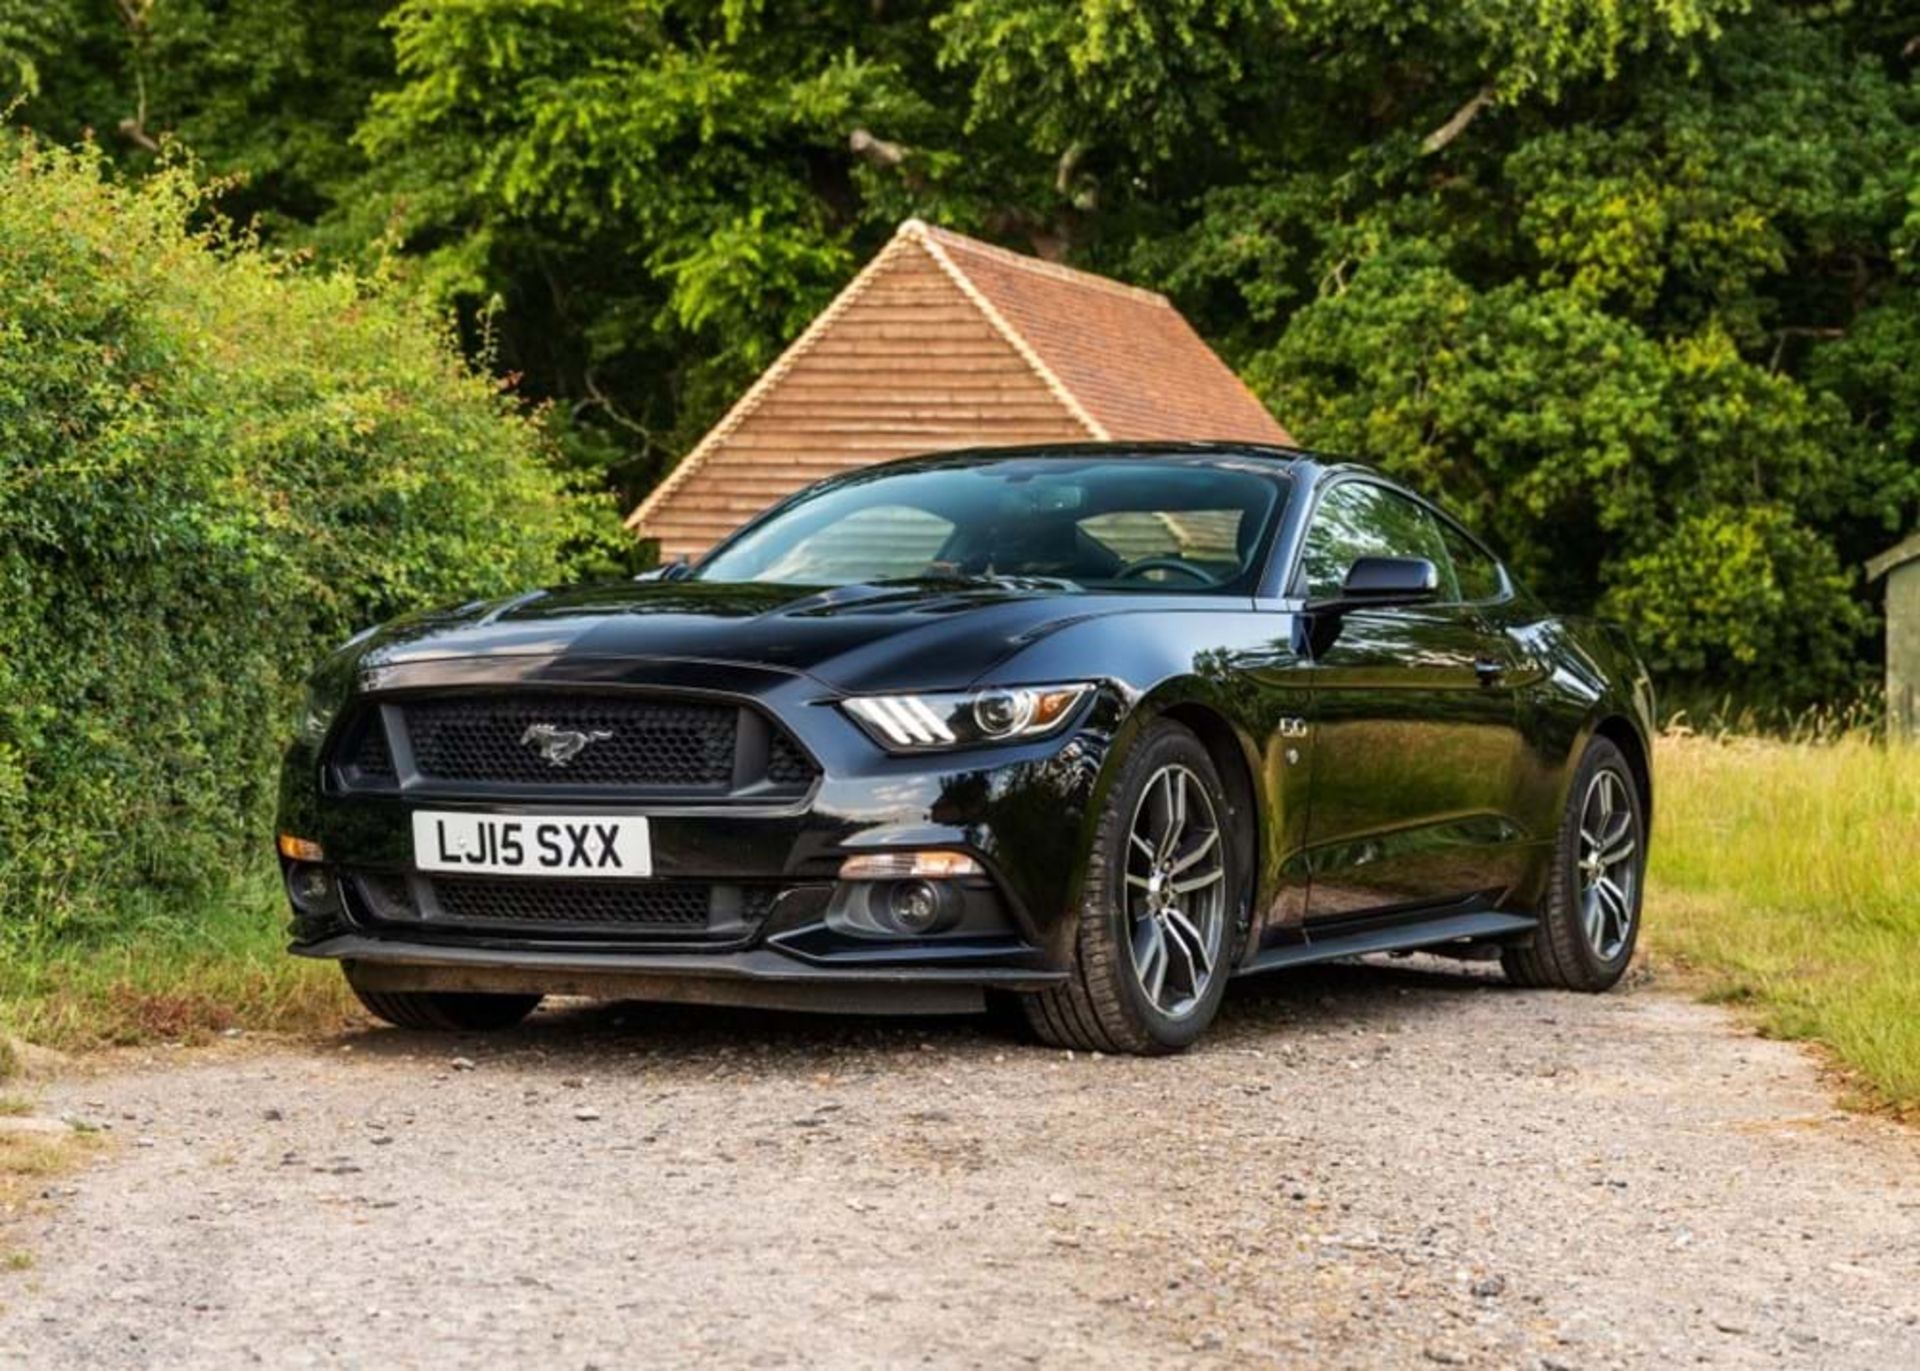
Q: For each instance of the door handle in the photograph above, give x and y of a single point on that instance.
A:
(1489, 670)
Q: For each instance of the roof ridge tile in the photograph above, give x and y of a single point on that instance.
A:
(1023, 261)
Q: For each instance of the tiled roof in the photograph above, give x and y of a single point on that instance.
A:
(942, 342)
(1126, 355)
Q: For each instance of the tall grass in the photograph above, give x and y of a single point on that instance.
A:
(1788, 874)
(168, 976)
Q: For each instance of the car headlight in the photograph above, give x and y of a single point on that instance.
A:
(317, 713)
(967, 718)
(327, 689)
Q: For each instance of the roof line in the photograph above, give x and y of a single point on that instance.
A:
(1902, 552)
(757, 392)
(1039, 266)
(918, 232)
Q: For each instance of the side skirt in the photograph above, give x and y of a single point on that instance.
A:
(1437, 932)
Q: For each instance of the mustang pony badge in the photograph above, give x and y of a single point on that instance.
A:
(561, 745)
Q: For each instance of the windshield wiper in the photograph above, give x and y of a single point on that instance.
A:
(981, 578)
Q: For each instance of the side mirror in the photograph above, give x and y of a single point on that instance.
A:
(1378, 582)
(1401, 579)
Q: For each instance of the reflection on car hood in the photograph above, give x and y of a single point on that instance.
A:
(850, 637)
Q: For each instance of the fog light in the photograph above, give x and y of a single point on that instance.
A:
(312, 889)
(915, 906)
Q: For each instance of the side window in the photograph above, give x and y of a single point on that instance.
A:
(1477, 574)
(1360, 519)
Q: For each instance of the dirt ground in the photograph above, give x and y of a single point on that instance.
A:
(1367, 1166)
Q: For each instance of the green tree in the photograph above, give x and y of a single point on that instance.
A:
(653, 197)
(268, 92)
(1625, 284)
(30, 31)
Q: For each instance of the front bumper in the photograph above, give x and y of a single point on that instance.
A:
(759, 977)
(1021, 812)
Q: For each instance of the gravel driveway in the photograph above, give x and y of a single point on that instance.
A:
(1365, 1166)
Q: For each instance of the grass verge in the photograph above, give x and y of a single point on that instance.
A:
(1784, 875)
(170, 978)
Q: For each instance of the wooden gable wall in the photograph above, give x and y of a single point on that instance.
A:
(910, 364)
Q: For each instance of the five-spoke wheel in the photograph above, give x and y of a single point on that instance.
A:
(1176, 885)
(1164, 887)
(1591, 914)
(1609, 865)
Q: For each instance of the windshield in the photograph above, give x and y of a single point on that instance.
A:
(1112, 523)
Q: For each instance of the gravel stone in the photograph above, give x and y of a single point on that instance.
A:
(1328, 1217)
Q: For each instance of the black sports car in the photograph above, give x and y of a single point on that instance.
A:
(1088, 728)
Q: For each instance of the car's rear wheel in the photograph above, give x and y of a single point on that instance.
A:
(444, 1011)
(1591, 919)
(1150, 962)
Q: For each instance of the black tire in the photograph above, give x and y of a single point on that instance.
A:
(1103, 1006)
(445, 1011)
(1562, 953)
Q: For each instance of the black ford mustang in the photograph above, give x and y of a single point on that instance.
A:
(1091, 728)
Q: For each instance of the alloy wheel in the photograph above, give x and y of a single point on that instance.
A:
(1609, 867)
(1176, 885)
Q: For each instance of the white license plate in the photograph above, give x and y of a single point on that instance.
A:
(532, 844)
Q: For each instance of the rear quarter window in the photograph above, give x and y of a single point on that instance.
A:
(1475, 573)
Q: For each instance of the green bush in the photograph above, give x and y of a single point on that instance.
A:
(214, 464)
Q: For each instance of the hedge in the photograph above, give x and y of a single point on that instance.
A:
(215, 463)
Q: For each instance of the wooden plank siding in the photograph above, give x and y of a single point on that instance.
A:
(910, 366)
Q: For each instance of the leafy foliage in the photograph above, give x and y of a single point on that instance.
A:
(270, 89)
(1630, 283)
(212, 467)
(645, 192)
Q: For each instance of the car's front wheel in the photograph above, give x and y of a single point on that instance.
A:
(1591, 919)
(444, 1011)
(1150, 963)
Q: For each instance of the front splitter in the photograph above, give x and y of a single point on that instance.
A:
(756, 977)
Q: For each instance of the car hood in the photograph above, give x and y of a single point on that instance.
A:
(850, 637)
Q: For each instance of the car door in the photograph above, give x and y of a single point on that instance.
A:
(1414, 721)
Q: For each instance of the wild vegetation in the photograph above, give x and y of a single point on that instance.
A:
(1784, 874)
(213, 467)
(1632, 285)
(173, 971)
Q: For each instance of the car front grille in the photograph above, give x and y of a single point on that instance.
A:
(660, 910)
(529, 741)
(369, 756)
(786, 763)
(675, 905)
(539, 743)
